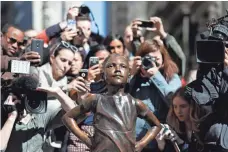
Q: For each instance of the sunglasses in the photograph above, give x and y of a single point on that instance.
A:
(13, 40)
(66, 45)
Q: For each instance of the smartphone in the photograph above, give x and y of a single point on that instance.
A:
(210, 51)
(93, 61)
(146, 24)
(37, 45)
(71, 24)
(83, 73)
(18, 66)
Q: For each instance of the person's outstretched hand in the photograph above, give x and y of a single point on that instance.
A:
(78, 85)
(137, 62)
(170, 134)
(93, 72)
(32, 57)
(68, 34)
(160, 140)
(158, 27)
(72, 13)
(139, 146)
(137, 30)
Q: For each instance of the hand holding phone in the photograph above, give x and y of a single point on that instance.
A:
(72, 13)
(71, 24)
(83, 73)
(93, 61)
(158, 27)
(146, 23)
(79, 85)
(37, 45)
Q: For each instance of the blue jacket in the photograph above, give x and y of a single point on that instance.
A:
(153, 92)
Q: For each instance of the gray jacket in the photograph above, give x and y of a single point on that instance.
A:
(176, 52)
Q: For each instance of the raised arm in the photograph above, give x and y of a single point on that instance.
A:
(5, 132)
(76, 113)
(148, 115)
(66, 102)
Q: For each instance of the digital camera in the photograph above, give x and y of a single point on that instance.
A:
(83, 73)
(24, 88)
(211, 49)
(147, 62)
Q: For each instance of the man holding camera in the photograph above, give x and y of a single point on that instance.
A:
(30, 127)
(210, 90)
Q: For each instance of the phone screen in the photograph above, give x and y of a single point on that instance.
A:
(93, 61)
(37, 45)
(71, 24)
(146, 24)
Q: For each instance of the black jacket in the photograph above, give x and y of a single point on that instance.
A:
(210, 92)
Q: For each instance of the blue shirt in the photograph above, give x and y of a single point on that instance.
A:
(152, 92)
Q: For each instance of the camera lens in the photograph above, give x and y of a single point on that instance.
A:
(34, 104)
(83, 75)
(146, 63)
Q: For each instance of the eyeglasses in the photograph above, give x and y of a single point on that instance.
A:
(66, 45)
(13, 40)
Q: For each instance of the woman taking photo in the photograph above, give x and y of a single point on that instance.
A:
(154, 78)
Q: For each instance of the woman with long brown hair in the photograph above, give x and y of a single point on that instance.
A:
(154, 77)
(180, 124)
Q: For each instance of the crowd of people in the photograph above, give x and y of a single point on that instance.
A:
(134, 99)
